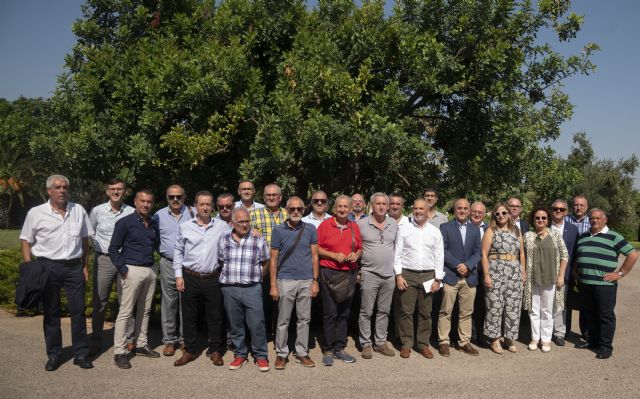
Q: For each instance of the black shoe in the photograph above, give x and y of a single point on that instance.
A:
(122, 361)
(52, 364)
(603, 354)
(94, 350)
(83, 362)
(585, 345)
(146, 351)
(560, 341)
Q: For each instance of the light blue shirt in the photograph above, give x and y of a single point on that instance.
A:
(463, 230)
(197, 246)
(311, 219)
(256, 205)
(103, 221)
(168, 229)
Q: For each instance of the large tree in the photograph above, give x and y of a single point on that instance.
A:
(458, 94)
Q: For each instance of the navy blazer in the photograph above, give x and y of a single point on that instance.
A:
(524, 227)
(570, 237)
(456, 253)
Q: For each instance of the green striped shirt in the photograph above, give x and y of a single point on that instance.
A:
(598, 254)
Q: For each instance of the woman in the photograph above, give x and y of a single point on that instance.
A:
(547, 258)
(339, 247)
(503, 266)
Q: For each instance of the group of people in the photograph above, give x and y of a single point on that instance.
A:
(236, 264)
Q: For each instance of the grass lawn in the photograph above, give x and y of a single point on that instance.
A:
(9, 238)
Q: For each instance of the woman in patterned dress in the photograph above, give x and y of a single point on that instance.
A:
(504, 275)
(547, 258)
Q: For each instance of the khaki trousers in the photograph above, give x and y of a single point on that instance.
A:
(466, 295)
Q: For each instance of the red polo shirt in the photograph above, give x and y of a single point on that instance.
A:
(334, 239)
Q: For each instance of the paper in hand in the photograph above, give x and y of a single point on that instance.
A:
(427, 285)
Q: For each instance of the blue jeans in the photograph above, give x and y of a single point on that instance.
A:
(246, 303)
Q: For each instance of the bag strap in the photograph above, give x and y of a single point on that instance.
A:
(284, 258)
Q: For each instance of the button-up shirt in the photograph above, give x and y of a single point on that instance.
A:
(419, 249)
(312, 219)
(133, 243)
(265, 220)
(583, 224)
(352, 216)
(242, 261)
(463, 230)
(103, 220)
(255, 205)
(558, 227)
(54, 236)
(168, 229)
(378, 246)
(197, 246)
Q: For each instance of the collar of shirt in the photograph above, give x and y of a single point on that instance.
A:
(323, 217)
(413, 222)
(559, 227)
(109, 208)
(604, 230)
(206, 226)
(372, 221)
(297, 227)
(66, 209)
(461, 225)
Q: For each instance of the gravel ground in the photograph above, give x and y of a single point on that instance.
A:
(564, 372)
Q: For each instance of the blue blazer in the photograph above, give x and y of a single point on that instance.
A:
(570, 237)
(455, 252)
(524, 226)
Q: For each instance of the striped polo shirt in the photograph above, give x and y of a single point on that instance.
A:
(597, 255)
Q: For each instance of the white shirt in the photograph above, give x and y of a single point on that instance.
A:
(197, 246)
(255, 205)
(403, 220)
(54, 237)
(419, 249)
(103, 220)
(559, 228)
(311, 219)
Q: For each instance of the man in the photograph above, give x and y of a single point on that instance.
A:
(168, 219)
(225, 205)
(515, 209)
(246, 191)
(377, 279)
(570, 234)
(57, 233)
(243, 257)
(396, 205)
(359, 207)
(461, 256)
(580, 217)
(131, 250)
(597, 261)
(319, 206)
(103, 220)
(195, 264)
(419, 259)
(434, 217)
(477, 214)
(294, 274)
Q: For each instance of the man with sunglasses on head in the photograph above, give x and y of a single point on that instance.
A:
(294, 281)
(247, 191)
(168, 219)
(319, 206)
(562, 319)
(225, 206)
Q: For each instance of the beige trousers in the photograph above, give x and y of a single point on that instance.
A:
(466, 295)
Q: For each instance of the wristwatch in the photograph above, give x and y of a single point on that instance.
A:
(621, 273)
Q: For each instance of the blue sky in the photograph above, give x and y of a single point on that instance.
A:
(35, 35)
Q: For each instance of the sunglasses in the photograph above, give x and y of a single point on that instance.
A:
(559, 209)
(298, 209)
(174, 197)
(503, 213)
(225, 206)
(540, 218)
(319, 201)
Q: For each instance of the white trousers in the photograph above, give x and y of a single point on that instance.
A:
(541, 313)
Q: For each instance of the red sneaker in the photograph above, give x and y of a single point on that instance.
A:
(263, 364)
(237, 362)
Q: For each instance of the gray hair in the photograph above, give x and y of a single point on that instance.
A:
(53, 178)
(235, 211)
(294, 198)
(343, 197)
(376, 195)
(565, 203)
(604, 213)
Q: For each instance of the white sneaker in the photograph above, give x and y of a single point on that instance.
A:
(533, 345)
(546, 347)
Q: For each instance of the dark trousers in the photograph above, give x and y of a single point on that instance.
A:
(598, 303)
(65, 275)
(206, 291)
(335, 315)
(477, 334)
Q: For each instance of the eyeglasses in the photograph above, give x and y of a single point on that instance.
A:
(319, 201)
(225, 206)
(298, 209)
(559, 209)
(540, 218)
(242, 221)
(503, 213)
(174, 197)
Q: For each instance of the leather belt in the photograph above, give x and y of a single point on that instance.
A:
(239, 285)
(190, 272)
(502, 256)
(75, 261)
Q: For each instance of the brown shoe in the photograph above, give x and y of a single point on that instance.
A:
(186, 358)
(131, 347)
(305, 361)
(443, 350)
(496, 347)
(169, 350)
(426, 352)
(216, 358)
(469, 350)
(405, 353)
(384, 349)
(281, 363)
(367, 352)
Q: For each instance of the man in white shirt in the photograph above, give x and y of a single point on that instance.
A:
(419, 258)
(319, 205)
(57, 233)
(247, 191)
(396, 205)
